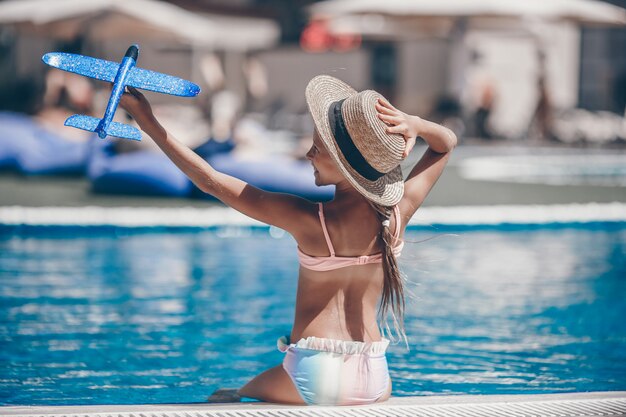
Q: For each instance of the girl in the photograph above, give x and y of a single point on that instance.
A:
(349, 280)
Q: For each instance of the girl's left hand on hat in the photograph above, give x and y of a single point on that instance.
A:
(399, 123)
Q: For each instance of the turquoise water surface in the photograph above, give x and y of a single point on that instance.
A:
(127, 316)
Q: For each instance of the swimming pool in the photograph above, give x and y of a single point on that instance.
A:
(113, 315)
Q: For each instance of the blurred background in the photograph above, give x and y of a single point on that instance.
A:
(535, 90)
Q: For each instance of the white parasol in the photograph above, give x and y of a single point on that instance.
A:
(395, 16)
(117, 19)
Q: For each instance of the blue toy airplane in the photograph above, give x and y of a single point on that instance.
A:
(120, 75)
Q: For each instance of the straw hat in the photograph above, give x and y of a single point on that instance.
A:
(356, 138)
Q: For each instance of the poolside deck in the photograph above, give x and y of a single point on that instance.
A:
(452, 188)
(612, 403)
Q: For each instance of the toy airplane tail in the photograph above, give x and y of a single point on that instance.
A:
(93, 124)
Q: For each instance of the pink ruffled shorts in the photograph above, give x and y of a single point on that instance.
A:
(336, 372)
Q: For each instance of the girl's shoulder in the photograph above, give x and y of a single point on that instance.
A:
(308, 220)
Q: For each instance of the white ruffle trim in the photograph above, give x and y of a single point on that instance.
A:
(348, 347)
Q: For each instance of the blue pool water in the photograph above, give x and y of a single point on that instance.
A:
(122, 316)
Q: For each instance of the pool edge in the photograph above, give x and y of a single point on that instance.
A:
(605, 402)
(190, 217)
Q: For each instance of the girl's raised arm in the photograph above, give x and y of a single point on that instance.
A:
(280, 210)
(441, 141)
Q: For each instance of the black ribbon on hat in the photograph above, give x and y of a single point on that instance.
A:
(347, 146)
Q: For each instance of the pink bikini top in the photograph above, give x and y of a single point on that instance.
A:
(327, 263)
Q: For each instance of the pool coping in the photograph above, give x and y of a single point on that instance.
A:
(611, 403)
(191, 217)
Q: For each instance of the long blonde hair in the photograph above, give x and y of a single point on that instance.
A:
(392, 299)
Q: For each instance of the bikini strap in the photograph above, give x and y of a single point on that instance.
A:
(323, 222)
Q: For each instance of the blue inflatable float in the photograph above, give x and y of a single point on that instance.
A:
(28, 148)
(139, 173)
(151, 173)
(276, 174)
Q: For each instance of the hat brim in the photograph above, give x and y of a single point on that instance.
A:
(321, 92)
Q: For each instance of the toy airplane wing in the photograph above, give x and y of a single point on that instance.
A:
(99, 69)
(104, 70)
(161, 83)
